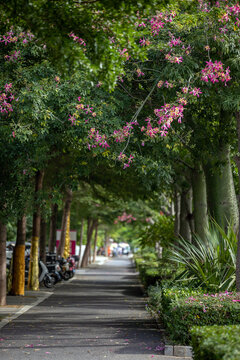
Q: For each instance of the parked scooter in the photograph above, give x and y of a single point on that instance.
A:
(60, 268)
(44, 275)
(65, 272)
(72, 266)
(67, 267)
(53, 267)
(55, 272)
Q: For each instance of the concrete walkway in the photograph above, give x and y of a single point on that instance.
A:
(98, 315)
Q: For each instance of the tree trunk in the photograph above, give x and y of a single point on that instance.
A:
(238, 245)
(66, 212)
(18, 280)
(80, 243)
(95, 243)
(221, 195)
(90, 254)
(67, 238)
(185, 215)
(199, 202)
(53, 228)
(91, 225)
(106, 243)
(3, 264)
(177, 205)
(43, 240)
(33, 276)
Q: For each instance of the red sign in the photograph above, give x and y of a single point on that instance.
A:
(73, 239)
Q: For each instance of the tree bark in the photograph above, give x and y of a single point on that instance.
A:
(3, 264)
(80, 243)
(53, 228)
(66, 212)
(200, 215)
(43, 240)
(106, 243)
(90, 254)
(238, 234)
(221, 195)
(18, 281)
(185, 215)
(33, 276)
(91, 225)
(177, 205)
(95, 242)
(67, 238)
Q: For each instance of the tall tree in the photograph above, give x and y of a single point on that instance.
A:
(18, 281)
(33, 282)
(3, 264)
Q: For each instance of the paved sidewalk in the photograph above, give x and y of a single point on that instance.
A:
(99, 315)
(17, 305)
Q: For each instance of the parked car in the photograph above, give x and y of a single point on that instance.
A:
(27, 248)
(9, 252)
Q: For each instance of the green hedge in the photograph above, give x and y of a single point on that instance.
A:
(216, 342)
(152, 271)
(181, 309)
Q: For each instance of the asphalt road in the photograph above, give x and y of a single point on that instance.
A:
(99, 315)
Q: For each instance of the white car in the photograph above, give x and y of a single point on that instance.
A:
(9, 251)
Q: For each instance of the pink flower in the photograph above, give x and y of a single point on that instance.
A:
(139, 73)
(72, 119)
(195, 92)
(215, 72)
(178, 59)
(144, 42)
(160, 84)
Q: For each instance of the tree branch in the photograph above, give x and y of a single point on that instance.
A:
(185, 163)
(133, 97)
(85, 2)
(183, 142)
(139, 110)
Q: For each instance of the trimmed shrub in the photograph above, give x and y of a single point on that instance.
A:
(216, 342)
(181, 309)
(152, 271)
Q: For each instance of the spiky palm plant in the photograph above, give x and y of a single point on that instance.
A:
(209, 263)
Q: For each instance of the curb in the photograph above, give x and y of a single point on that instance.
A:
(168, 357)
(178, 351)
(24, 309)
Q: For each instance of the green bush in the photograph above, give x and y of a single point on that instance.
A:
(180, 309)
(148, 272)
(161, 231)
(152, 271)
(216, 342)
(161, 296)
(148, 276)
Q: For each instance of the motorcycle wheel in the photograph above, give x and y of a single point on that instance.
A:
(48, 282)
(66, 276)
(54, 278)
